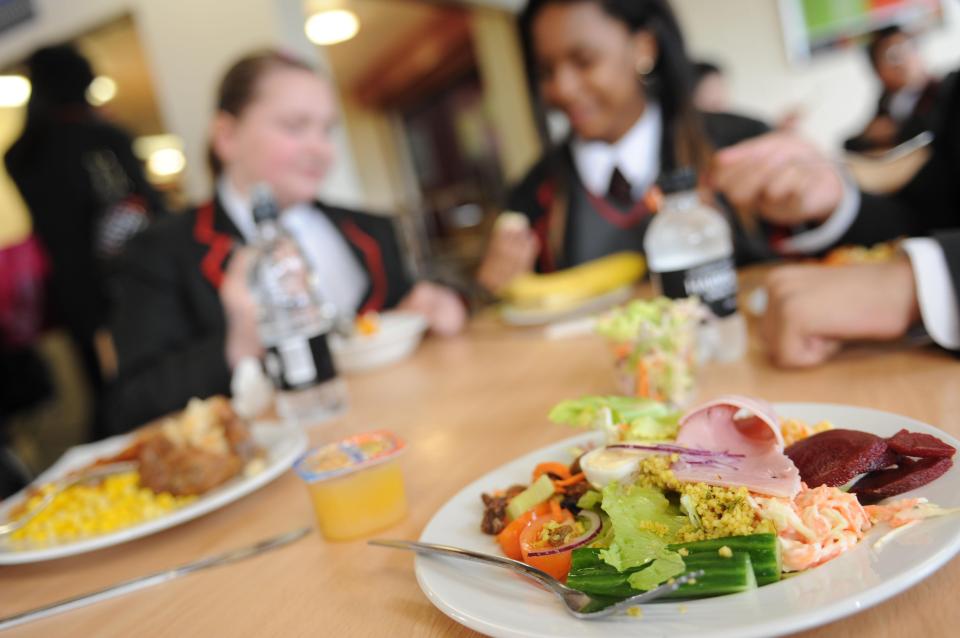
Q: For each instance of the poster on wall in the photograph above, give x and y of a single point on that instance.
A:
(14, 12)
(812, 27)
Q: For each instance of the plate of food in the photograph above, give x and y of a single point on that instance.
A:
(181, 468)
(793, 525)
(379, 339)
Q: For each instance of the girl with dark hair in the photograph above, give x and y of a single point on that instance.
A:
(186, 316)
(619, 72)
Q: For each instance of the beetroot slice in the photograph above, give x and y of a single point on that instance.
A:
(835, 457)
(908, 475)
(919, 444)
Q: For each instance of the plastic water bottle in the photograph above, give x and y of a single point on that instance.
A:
(294, 322)
(689, 250)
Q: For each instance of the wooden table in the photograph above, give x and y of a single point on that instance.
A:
(465, 405)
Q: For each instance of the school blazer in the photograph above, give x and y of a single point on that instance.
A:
(169, 327)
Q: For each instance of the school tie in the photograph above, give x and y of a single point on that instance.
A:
(620, 192)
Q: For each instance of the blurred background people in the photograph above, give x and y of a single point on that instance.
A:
(186, 315)
(86, 194)
(909, 98)
(619, 72)
(710, 91)
(813, 310)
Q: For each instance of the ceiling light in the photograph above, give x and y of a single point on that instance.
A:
(166, 162)
(101, 90)
(14, 90)
(333, 26)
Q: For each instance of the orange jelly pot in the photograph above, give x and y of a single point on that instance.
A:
(356, 484)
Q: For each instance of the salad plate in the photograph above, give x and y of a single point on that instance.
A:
(497, 603)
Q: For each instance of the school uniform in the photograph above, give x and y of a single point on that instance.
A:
(169, 329)
(587, 199)
(913, 110)
(927, 211)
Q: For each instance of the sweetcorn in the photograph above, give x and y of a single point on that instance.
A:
(81, 510)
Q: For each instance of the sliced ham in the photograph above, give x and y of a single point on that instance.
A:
(739, 426)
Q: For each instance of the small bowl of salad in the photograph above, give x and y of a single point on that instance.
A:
(654, 343)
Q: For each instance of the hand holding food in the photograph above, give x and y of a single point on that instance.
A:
(512, 251)
(811, 310)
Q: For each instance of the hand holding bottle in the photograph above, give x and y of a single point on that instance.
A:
(240, 310)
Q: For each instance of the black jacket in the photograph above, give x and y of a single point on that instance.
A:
(930, 204)
(542, 195)
(924, 117)
(72, 172)
(169, 326)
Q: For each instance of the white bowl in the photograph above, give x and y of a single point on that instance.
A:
(399, 335)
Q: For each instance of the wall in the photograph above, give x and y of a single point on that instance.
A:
(188, 44)
(836, 89)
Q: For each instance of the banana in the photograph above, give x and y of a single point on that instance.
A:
(570, 287)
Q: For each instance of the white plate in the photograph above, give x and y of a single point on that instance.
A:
(282, 445)
(399, 335)
(524, 317)
(495, 602)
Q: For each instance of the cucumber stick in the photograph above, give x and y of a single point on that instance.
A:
(589, 574)
(537, 493)
(764, 550)
(721, 575)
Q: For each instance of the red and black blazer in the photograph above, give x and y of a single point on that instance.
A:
(168, 325)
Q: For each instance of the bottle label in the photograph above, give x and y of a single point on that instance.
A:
(715, 283)
(299, 362)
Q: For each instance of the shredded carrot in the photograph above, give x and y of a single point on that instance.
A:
(555, 508)
(622, 350)
(576, 478)
(643, 379)
(551, 467)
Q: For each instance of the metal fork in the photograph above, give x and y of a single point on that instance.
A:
(94, 472)
(579, 604)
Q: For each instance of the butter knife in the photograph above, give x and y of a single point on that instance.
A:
(149, 580)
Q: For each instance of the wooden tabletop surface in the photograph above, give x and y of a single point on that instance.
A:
(465, 406)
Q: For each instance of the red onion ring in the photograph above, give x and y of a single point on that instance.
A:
(676, 449)
(595, 526)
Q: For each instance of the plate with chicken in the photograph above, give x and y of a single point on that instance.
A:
(167, 473)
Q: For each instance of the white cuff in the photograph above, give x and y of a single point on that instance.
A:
(829, 232)
(935, 292)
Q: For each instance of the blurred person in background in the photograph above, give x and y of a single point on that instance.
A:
(910, 96)
(813, 309)
(619, 72)
(710, 91)
(186, 315)
(86, 193)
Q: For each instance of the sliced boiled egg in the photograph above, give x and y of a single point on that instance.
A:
(606, 465)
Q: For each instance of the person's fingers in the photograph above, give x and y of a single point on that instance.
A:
(780, 195)
(821, 194)
(745, 186)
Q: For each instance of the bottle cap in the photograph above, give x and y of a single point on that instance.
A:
(263, 203)
(679, 180)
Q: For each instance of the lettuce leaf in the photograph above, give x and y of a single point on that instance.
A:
(645, 419)
(643, 522)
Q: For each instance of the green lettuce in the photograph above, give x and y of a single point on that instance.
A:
(632, 510)
(645, 419)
